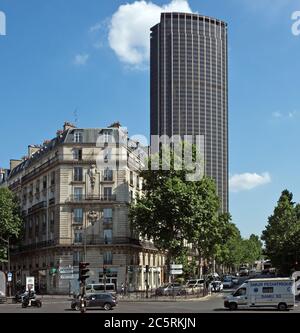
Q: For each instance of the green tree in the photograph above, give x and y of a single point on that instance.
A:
(174, 211)
(251, 250)
(229, 254)
(282, 234)
(10, 219)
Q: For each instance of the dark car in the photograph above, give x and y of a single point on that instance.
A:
(104, 300)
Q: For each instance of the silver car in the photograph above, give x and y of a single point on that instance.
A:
(170, 289)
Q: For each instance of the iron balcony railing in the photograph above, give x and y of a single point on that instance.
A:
(88, 197)
(96, 240)
(40, 205)
(34, 246)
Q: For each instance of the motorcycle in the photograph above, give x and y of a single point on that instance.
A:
(26, 302)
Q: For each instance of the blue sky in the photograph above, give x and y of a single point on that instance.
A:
(59, 56)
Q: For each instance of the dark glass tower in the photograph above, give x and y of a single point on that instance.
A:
(189, 87)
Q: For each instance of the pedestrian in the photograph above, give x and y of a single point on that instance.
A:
(209, 288)
(122, 289)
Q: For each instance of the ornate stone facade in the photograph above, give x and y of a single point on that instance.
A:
(75, 207)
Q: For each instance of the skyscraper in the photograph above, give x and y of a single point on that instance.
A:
(189, 87)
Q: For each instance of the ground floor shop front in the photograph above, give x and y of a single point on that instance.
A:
(56, 270)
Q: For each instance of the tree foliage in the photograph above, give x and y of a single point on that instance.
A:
(238, 251)
(282, 234)
(173, 212)
(10, 218)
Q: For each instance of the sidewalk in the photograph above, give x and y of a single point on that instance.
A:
(163, 299)
(135, 298)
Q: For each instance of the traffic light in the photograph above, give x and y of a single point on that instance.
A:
(83, 270)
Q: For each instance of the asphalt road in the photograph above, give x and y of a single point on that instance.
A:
(212, 304)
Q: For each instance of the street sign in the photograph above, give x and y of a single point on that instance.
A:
(29, 283)
(9, 277)
(176, 272)
(69, 276)
(173, 266)
(66, 270)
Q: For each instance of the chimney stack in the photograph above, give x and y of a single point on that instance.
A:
(33, 149)
(14, 163)
(68, 126)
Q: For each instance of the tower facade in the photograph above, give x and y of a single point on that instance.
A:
(189, 87)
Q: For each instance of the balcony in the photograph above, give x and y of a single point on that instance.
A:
(34, 246)
(51, 201)
(38, 206)
(37, 171)
(90, 198)
(96, 240)
(107, 220)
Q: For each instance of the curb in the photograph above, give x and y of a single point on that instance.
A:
(149, 300)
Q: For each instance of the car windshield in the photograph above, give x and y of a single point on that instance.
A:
(192, 282)
(227, 279)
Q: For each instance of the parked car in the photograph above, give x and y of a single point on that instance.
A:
(252, 273)
(227, 282)
(216, 286)
(195, 285)
(94, 288)
(105, 301)
(235, 279)
(244, 272)
(170, 289)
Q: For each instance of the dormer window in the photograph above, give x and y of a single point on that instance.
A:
(78, 137)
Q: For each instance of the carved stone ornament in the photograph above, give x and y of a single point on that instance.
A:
(92, 174)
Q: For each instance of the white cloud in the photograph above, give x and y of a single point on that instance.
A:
(81, 59)
(96, 27)
(277, 114)
(286, 115)
(248, 181)
(292, 114)
(129, 29)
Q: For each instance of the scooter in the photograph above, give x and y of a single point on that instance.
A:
(26, 302)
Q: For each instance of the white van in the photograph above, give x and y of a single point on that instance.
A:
(94, 288)
(263, 293)
(195, 285)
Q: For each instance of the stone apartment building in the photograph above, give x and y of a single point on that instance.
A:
(75, 192)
